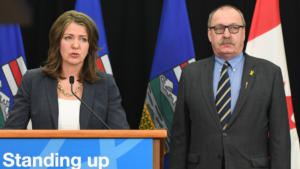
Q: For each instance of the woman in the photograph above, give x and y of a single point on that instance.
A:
(45, 96)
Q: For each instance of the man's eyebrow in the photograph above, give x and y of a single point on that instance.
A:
(227, 25)
(234, 24)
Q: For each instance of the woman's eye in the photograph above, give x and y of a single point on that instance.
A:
(67, 37)
(83, 39)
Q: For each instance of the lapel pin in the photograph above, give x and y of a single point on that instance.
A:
(251, 72)
(246, 85)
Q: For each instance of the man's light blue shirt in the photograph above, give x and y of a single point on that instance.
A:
(235, 72)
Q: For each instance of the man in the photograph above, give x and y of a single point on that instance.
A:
(231, 110)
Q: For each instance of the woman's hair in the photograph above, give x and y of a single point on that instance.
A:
(53, 64)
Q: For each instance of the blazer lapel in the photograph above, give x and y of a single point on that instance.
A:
(207, 86)
(247, 80)
(51, 91)
(88, 99)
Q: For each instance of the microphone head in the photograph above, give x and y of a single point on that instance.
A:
(71, 79)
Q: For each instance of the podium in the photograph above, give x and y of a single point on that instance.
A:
(77, 149)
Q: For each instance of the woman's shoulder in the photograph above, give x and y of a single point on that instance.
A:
(105, 79)
(103, 75)
(34, 72)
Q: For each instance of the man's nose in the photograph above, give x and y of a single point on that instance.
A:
(226, 32)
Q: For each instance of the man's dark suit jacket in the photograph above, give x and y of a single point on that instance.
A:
(197, 138)
(37, 99)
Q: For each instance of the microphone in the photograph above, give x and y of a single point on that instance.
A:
(71, 80)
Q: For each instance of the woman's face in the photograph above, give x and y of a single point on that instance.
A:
(74, 45)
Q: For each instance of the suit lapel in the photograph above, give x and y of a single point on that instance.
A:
(244, 92)
(88, 98)
(207, 86)
(51, 90)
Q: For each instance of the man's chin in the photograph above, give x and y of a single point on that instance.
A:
(226, 55)
(227, 52)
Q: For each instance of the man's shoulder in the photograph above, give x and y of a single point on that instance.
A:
(198, 64)
(261, 63)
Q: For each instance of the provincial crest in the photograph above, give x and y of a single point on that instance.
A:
(160, 102)
(4, 106)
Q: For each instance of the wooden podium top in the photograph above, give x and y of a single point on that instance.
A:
(158, 133)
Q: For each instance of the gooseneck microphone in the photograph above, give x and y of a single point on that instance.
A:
(71, 79)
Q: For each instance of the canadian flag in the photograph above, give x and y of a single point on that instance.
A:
(266, 41)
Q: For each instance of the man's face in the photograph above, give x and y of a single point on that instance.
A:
(226, 50)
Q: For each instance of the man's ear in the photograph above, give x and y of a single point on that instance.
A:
(209, 34)
(244, 33)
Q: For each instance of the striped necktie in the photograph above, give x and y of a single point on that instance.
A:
(223, 97)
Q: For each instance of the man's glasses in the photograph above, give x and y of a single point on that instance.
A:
(221, 29)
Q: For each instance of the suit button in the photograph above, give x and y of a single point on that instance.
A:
(219, 157)
(224, 134)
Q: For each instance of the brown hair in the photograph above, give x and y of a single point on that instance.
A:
(224, 6)
(53, 64)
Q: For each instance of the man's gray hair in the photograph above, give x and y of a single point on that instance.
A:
(225, 6)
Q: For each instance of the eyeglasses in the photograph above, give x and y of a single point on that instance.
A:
(221, 29)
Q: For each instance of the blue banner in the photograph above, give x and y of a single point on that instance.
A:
(92, 8)
(174, 50)
(76, 153)
(174, 42)
(12, 66)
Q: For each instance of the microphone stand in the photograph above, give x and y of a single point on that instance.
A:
(72, 81)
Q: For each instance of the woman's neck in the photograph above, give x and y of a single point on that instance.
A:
(71, 71)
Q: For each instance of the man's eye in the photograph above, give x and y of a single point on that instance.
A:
(219, 28)
(234, 27)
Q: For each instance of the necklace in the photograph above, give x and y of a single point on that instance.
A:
(64, 92)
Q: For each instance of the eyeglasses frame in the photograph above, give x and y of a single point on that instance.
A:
(213, 27)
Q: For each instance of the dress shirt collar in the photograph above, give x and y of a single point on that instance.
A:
(233, 62)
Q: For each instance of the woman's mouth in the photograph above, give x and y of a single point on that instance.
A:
(74, 54)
